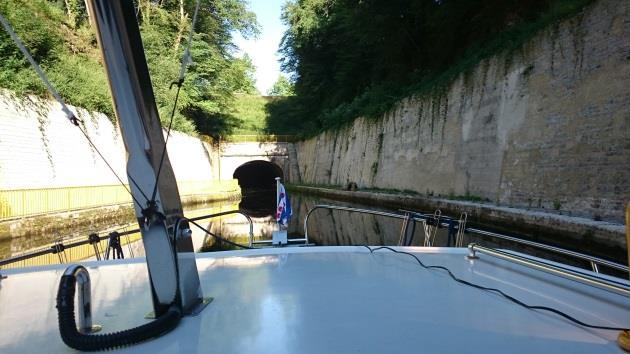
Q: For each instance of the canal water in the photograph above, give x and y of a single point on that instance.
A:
(325, 228)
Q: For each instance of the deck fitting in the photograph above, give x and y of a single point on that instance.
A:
(472, 254)
(193, 312)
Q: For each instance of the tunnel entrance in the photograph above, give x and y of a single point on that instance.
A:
(257, 180)
(257, 175)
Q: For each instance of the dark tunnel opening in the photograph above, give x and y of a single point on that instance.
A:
(257, 180)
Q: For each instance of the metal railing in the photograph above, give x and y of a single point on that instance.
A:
(404, 239)
(303, 240)
(60, 252)
(19, 203)
(606, 284)
(31, 202)
(95, 241)
(448, 222)
(252, 241)
(230, 212)
(84, 298)
(258, 138)
(595, 262)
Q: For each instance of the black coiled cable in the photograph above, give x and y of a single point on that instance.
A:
(93, 342)
(497, 291)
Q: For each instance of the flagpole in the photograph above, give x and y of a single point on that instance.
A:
(277, 200)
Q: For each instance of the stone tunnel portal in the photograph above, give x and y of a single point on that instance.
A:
(257, 175)
(258, 187)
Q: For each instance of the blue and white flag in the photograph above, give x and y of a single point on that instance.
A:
(284, 212)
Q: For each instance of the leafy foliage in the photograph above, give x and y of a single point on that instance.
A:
(282, 87)
(60, 39)
(352, 58)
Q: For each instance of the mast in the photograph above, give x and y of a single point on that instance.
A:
(159, 218)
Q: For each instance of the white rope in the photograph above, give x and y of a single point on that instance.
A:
(71, 117)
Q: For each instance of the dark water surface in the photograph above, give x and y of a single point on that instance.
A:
(334, 227)
(326, 227)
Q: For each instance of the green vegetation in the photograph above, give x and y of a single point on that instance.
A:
(290, 186)
(346, 58)
(362, 189)
(250, 109)
(67, 56)
(282, 87)
(61, 40)
(350, 59)
(389, 191)
(469, 198)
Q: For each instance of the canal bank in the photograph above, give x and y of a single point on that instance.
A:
(326, 228)
(80, 217)
(542, 226)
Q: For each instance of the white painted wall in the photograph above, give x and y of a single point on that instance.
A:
(40, 148)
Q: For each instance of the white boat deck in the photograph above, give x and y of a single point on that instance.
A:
(329, 300)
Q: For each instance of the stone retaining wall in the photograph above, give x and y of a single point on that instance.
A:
(547, 127)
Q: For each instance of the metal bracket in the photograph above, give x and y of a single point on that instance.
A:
(193, 312)
(93, 329)
(472, 254)
(202, 305)
(184, 233)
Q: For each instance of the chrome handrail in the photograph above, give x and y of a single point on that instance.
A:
(356, 210)
(84, 297)
(594, 261)
(237, 211)
(289, 240)
(609, 285)
(50, 250)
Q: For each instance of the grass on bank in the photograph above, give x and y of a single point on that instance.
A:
(408, 192)
(250, 110)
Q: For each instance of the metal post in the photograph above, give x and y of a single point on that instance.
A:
(594, 267)
(94, 241)
(85, 298)
(277, 201)
(451, 232)
(403, 230)
(118, 36)
(407, 230)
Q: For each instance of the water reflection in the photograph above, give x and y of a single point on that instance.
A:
(326, 228)
(259, 203)
(331, 228)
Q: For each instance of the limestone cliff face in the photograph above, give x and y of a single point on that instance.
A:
(545, 127)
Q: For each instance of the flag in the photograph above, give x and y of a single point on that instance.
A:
(284, 212)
